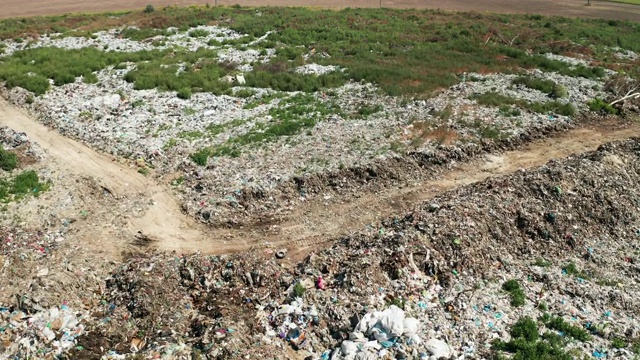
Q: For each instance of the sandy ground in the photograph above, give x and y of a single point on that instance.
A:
(570, 8)
(169, 229)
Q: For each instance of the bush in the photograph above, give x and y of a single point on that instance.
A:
(600, 106)
(149, 9)
(515, 290)
(8, 160)
(299, 290)
(184, 93)
(201, 157)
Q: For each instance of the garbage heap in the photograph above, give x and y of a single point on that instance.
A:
(427, 285)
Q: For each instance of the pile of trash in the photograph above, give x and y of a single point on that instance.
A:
(43, 334)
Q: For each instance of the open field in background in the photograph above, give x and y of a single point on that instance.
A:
(571, 8)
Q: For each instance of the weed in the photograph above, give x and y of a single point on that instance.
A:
(143, 171)
(515, 290)
(619, 343)
(543, 306)
(189, 111)
(27, 182)
(244, 93)
(178, 181)
(542, 262)
(558, 323)
(600, 106)
(299, 290)
(184, 93)
(263, 100)
(8, 160)
(198, 33)
(545, 86)
(366, 110)
(191, 135)
(572, 270)
(171, 143)
(495, 99)
(201, 157)
(526, 343)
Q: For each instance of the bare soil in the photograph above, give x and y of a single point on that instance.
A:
(569, 8)
(165, 227)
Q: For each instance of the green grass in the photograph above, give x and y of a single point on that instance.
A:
(515, 290)
(412, 52)
(526, 343)
(290, 117)
(498, 100)
(8, 160)
(558, 323)
(24, 184)
(31, 69)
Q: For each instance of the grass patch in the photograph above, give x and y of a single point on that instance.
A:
(403, 51)
(365, 111)
(542, 262)
(557, 323)
(572, 269)
(31, 69)
(546, 86)
(290, 117)
(601, 106)
(515, 290)
(24, 184)
(8, 160)
(497, 100)
(527, 343)
(263, 100)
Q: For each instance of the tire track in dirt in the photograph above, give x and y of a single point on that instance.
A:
(311, 224)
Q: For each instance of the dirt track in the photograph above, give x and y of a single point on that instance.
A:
(570, 8)
(307, 226)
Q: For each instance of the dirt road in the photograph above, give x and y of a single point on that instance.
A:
(307, 227)
(163, 222)
(570, 8)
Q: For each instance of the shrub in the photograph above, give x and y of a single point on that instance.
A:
(149, 9)
(515, 290)
(299, 290)
(8, 160)
(200, 157)
(600, 106)
(184, 93)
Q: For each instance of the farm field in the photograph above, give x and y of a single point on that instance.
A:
(234, 182)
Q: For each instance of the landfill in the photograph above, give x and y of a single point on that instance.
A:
(425, 285)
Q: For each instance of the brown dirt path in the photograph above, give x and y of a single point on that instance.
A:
(570, 8)
(311, 223)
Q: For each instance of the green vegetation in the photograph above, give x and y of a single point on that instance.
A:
(149, 9)
(515, 290)
(546, 86)
(263, 100)
(496, 99)
(290, 117)
(557, 323)
(571, 269)
(299, 290)
(601, 106)
(542, 262)
(526, 343)
(403, 51)
(365, 111)
(619, 343)
(196, 33)
(8, 160)
(32, 68)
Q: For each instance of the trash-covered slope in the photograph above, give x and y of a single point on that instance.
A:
(566, 232)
